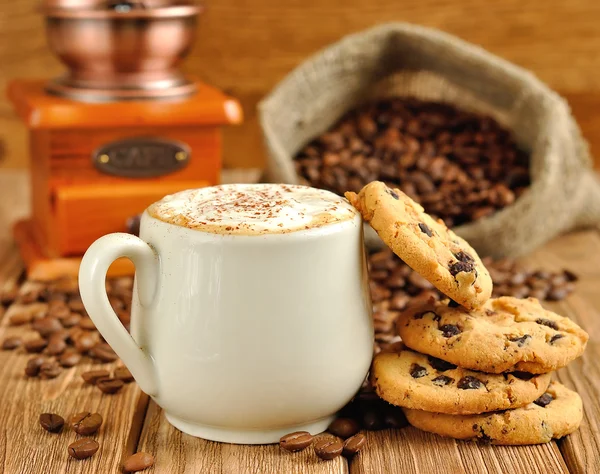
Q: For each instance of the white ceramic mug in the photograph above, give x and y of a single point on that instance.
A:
(240, 338)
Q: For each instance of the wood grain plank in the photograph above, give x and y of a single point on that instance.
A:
(179, 453)
(580, 252)
(26, 448)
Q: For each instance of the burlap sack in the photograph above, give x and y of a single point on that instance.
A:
(406, 60)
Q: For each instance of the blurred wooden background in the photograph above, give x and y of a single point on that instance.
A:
(245, 48)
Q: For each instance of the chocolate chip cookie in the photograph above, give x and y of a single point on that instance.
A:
(424, 243)
(557, 413)
(507, 334)
(412, 380)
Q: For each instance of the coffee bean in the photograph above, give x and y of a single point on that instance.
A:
(103, 352)
(544, 400)
(69, 358)
(51, 422)
(557, 293)
(470, 383)
(86, 423)
(32, 369)
(71, 320)
(35, 345)
(87, 323)
(20, 317)
(328, 448)
(344, 427)
(56, 345)
(354, 444)
(296, 441)
(85, 342)
(58, 309)
(92, 376)
(11, 343)
(50, 369)
(46, 326)
(138, 462)
(76, 304)
(419, 282)
(29, 295)
(122, 373)
(8, 295)
(110, 386)
(83, 448)
(372, 419)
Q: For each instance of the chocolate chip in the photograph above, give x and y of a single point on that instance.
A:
(393, 194)
(51, 422)
(296, 441)
(417, 371)
(556, 337)
(460, 267)
(450, 330)
(425, 229)
(544, 400)
(470, 383)
(442, 380)
(522, 375)
(464, 257)
(547, 322)
(452, 303)
(440, 365)
(520, 340)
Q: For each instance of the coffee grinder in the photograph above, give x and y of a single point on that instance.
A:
(121, 129)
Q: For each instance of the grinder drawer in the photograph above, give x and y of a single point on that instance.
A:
(84, 212)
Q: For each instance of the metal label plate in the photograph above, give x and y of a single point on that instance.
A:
(141, 157)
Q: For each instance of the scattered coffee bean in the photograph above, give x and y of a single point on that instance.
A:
(87, 323)
(296, 441)
(11, 343)
(138, 462)
(50, 369)
(86, 423)
(29, 295)
(85, 342)
(56, 345)
(71, 320)
(32, 369)
(354, 444)
(122, 373)
(328, 448)
(8, 295)
(103, 352)
(393, 417)
(110, 386)
(20, 317)
(69, 358)
(76, 304)
(51, 422)
(92, 376)
(83, 448)
(35, 345)
(344, 427)
(58, 309)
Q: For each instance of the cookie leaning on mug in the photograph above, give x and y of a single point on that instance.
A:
(424, 243)
(507, 334)
(555, 414)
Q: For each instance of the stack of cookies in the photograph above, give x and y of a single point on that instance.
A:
(470, 366)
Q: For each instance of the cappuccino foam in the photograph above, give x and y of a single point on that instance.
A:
(252, 209)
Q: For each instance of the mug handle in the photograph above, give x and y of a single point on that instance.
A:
(92, 275)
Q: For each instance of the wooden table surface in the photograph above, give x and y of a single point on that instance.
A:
(133, 423)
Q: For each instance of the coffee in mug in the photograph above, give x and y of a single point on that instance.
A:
(251, 315)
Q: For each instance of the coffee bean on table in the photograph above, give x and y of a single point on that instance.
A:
(83, 448)
(344, 427)
(296, 441)
(56, 345)
(85, 342)
(8, 295)
(92, 376)
(32, 369)
(110, 386)
(103, 352)
(35, 345)
(328, 448)
(69, 358)
(87, 323)
(11, 343)
(50, 369)
(76, 304)
(71, 320)
(86, 423)
(20, 317)
(58, 309)
(138, 462)
(354, 444)
(51, 422)
(122, 373)
(29, 295)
